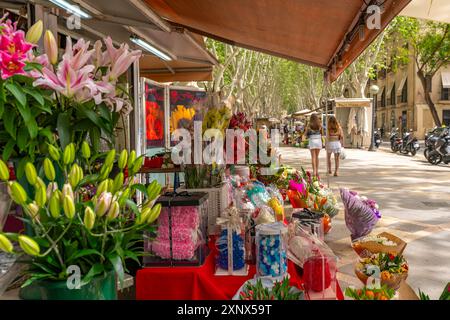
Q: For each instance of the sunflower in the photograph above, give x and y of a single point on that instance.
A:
(181, 118)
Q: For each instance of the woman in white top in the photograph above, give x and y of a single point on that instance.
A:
(314, 133)
(334, 143)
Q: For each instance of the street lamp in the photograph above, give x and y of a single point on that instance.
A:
(374, 89)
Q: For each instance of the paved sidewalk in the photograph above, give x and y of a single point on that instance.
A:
(414, 198)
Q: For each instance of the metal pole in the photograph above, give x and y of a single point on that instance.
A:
(326, 141)
(372, 147)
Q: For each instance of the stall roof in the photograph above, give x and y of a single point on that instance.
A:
(169, 71)
(437, 10)
(352, 102)
(326, 33)
(121, 19)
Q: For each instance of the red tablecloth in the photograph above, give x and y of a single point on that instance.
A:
(197, 283)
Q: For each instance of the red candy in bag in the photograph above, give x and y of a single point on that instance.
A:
(316, 274)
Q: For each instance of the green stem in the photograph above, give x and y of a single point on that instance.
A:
(112, 232)
(105, 232)
(54, 245)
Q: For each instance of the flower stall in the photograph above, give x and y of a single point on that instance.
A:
(186, 229)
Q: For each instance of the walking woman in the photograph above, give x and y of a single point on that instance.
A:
(334, 143)
(314, 133)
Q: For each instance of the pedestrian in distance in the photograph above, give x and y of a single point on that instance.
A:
(314, 133)
(334, 144)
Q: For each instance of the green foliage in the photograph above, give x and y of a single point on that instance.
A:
(25, 113)
(429, 40)
(280, 291)
(445, 296)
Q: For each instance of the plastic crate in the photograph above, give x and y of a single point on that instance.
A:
(218, 201)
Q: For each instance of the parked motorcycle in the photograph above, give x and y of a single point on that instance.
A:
(430, 139)
(410, 144)
(377, 138)
(441, 152)
(396, 140)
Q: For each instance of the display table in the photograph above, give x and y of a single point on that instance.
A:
(197, 283)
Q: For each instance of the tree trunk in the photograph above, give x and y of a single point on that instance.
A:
(428, 99)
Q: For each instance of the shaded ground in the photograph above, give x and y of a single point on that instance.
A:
(414, 198)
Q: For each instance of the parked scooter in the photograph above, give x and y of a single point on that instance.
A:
(410, 143)
(396, 140)
(441, 152)
(430, 139)
(377, 138)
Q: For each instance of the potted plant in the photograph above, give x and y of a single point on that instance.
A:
(84, 230)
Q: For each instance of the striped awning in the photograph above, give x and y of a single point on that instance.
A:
(445, 80)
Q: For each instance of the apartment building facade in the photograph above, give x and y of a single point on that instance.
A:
(400, 102)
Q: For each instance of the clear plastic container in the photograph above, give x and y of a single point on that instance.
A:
(271, 250)
(181, 234)
(319, 272)
(231, 256)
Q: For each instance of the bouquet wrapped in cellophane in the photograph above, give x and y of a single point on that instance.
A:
(361, 214)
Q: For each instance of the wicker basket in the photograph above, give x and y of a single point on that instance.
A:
(366, 249)
(218, 201)
(393, 283)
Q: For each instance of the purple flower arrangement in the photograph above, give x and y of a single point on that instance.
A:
(372, 204)
(361, 213)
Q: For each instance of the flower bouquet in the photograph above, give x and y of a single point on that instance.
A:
(267, 290)
(361, 215)
(383, 293)
(393, 269)
(90, 222)
(383, 242)
(298, 195)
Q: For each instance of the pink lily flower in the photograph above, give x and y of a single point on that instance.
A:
(121, 59)
(42, 60)
(123, 62)
(15, 43)
(69, 82)
(13, 49)
(79, 54)
(11, 65)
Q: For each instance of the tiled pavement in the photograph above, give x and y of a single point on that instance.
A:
(414, 198)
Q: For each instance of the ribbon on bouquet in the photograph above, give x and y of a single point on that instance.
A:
(232, 220)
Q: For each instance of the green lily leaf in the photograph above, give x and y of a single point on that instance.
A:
(83, 253)
(117, 264)
(17, 93)
(95, 270)
(9, 148)
(9, 121)
(36, 95)
(64, 129)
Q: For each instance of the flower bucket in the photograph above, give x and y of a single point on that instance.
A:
(100, 288)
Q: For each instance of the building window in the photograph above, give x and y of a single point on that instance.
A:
(404, 98)
(383, 98)
(393, 120)
(393, 102)
(404, 121)
(346, 93)
(446, 117)
(429, 81)
(445, 93)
